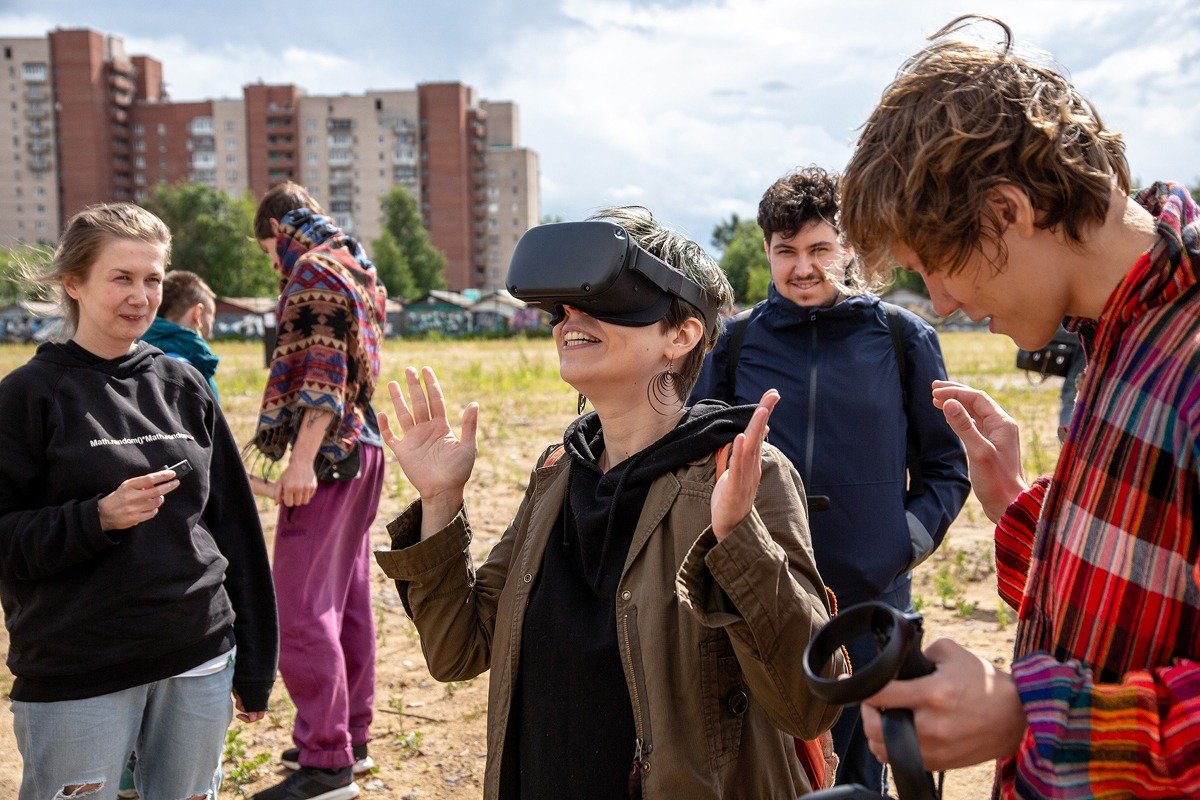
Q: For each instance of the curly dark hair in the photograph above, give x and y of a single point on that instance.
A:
(797, 199)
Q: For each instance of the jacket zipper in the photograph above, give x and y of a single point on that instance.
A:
(643, 744)
(812, 402)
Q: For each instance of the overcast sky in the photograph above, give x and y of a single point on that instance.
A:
(689, 107)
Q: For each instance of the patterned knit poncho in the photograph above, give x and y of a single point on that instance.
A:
(330, 321)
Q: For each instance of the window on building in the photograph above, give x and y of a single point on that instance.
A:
(139, 129)
(312, 125)
(310, 141)
(232, 176)
(139, 146)
(230, 158)
(140, 162)
(162, 129)
(230, 125)
(516, 207)
(38, 191)
(8, 53)
(378, 104)
(231, 143)
(40, 226)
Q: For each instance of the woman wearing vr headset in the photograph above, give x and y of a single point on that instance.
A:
(645, 613)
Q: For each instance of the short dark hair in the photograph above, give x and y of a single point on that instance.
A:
(182, 290)
(277, 202)
(797, 199)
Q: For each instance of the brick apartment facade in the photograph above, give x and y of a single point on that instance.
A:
(86, 123)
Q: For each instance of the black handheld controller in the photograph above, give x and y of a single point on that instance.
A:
(896, 637)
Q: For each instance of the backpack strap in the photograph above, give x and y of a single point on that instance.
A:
(737, 335)
(912, 454)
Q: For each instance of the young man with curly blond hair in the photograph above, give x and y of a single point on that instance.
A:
(991, 176)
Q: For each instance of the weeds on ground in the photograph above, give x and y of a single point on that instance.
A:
(241, 769)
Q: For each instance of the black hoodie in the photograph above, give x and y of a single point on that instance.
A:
(574, 724)
(89, 611)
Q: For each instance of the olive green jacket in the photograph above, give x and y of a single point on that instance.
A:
(711, 634)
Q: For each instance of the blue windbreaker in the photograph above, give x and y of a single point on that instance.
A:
(841, 420)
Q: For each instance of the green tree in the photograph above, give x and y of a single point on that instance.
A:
(212, 234)
(426, 263)
(725, 231)
(743, 258)
(392, 266)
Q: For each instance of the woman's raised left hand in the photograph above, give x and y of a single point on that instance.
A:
(733, 494)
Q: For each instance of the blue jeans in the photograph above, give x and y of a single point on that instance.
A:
(177, 726)
(858, 764)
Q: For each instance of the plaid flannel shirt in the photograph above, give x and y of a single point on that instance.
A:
(1102, 560)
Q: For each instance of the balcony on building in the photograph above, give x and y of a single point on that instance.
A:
(36, 129)
(279, 140)
(341, 206)
(339, 125)
(38, 146)
(37, 94)
(37, 111)
(340, 158)
(406, 156)
(120, 83)
(201, 143)
(201, 161)
(119, 115)
(340, 139)
(123, 180)
(340, 178)
(407, 174)
(201, 126)
(35, 72)
(207, 177)
(39, 164)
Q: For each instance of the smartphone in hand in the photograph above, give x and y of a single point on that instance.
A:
(180, 469)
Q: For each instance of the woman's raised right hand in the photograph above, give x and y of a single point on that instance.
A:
(436, 462)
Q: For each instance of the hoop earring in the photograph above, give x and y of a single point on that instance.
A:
(663, 391)
(579, 406)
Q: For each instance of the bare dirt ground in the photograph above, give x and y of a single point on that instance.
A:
(429, 738)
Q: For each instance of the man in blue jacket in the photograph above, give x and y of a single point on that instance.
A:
(855, 416)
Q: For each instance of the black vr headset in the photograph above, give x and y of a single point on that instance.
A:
(599, 268)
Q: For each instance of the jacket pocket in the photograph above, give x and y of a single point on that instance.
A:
(724, 699)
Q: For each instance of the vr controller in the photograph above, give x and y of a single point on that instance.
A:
(897, 640)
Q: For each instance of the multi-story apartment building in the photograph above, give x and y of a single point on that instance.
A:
(89, 124)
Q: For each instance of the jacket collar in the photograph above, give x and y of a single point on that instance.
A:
(778, 311)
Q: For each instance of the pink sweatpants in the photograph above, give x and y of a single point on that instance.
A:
(326, 624)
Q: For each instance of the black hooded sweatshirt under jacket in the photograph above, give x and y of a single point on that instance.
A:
(91, 612)
(574, 725)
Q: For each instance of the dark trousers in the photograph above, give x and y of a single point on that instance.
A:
(858, 765)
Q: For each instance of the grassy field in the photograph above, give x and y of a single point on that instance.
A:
(429, 737)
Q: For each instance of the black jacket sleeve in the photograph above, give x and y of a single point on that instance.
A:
(231, 516)
(941, 457)
(38, 542)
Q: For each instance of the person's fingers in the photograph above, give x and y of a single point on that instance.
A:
(962, 424)
(437, 401)
(872, 722)
(417, 403)
(403, 415)
(470, 425)
(385, 429)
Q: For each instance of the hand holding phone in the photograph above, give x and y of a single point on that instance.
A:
(180, 469)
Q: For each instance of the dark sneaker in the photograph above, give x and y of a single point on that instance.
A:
(290, 758)
(308, 783)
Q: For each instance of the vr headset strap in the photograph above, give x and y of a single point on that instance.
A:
(674, 282)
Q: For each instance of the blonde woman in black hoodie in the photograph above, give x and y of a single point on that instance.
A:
(129, 539)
